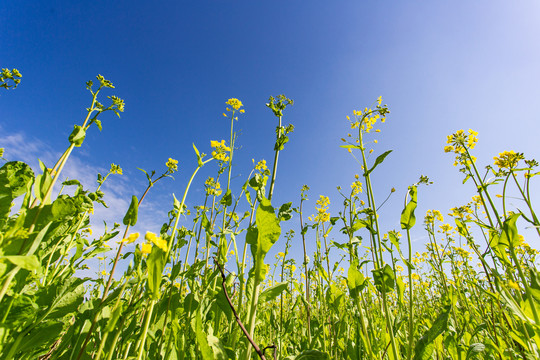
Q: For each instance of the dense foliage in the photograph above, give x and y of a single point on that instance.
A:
(207, 292)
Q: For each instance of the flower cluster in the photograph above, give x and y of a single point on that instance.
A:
(356, 187)
(459, 143)
(366, 119)
(172, 165)
(115, 169)
(261, 166)
(152, 238)
(220, 150)
(508, 159)
(322, 210)
(212, 187)
(462, 212)
(235, 104)
(431, 215)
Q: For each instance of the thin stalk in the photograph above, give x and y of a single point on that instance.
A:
(145, 329)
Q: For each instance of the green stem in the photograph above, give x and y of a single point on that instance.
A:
(145, 329)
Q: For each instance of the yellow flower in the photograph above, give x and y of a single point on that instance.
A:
(261, 165)
(172, 164)
(235, 103)
(220, 152)
(514, 285)
(146, 248)
(508, 159)
(131, 238)
(158, 241)
(356, 187)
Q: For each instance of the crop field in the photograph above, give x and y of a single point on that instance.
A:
(211, 290)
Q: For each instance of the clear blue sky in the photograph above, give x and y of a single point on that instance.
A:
(439, 65)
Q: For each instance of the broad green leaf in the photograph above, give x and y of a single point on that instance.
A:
(131, 214)
(475, 349)
(28, 262)
(355, 280)
(226, 199)
(272, 292)
(509, 233)
(379, 160)
(424, 346)
(268, 232)
(43, 334)
(77, 136)
(204, 349)
(155, 265)
(14, 177)
(384, 276)
(407, 215)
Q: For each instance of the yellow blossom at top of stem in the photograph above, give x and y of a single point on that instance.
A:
(115, 169)
(446, 228)
(431, 215)
(235, 103)
(508, 159)
(261, 165)
(172, 164)
(356, 187)
(322, 211)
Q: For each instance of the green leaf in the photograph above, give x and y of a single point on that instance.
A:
(268, 232)
(424, 346)
(350, 146)
(131, 215)
(14, 178)
(379, 160)
(461, 227)
(285, 212)
(226, 199)
(204, 349)
(384, 276)
(199, 160)
(475, 349)
(395, 241)
(355, 280)
(43, 334)
(155, 265)
(407, 215)
(77, 136)
(509, 233)
(312, 355)
(28, 262)
(272, 292)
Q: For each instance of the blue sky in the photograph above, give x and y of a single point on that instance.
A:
(440, 66)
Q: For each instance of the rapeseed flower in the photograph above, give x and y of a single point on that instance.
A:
(235, 103)
(156, 240)
(221, 150)
(508, 159)
(172, 164)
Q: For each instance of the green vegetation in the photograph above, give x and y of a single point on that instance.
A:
(195, 293)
